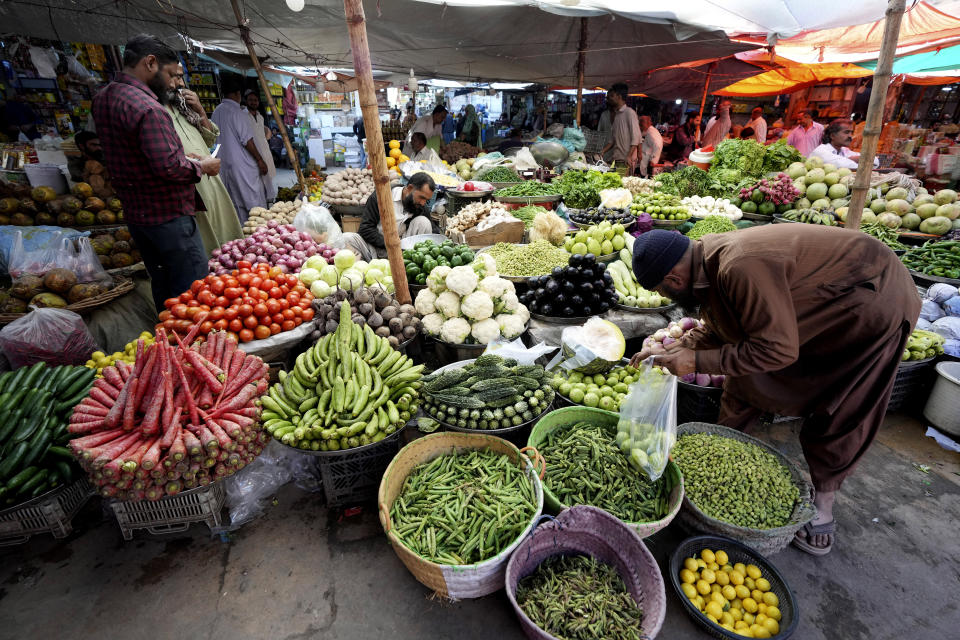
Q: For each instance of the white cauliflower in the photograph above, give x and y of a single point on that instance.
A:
(448, 303)
(523, 312)
(508, 303)
(511, 325)
(477, 306)
(495, 286)
(436, 280)
(462, 280)
(485, 331)
(455, 330)
(484, 266)
(425, 302)
(432, 323)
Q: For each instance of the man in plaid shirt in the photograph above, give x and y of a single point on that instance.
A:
(150, 173)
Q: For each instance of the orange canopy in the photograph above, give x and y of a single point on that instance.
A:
(792, 78)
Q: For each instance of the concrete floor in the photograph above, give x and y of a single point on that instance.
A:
(303, 571)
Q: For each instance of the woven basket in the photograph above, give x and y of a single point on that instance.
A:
(121, 287)
(571, 415)
(696, 403)
(789, 612)
(450, 581)
(591, 532)
(912, 385)
(773, 540)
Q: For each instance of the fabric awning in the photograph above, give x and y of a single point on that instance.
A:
(947, 59)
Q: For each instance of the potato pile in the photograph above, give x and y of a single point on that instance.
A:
(348, 187)
(282, 212)
(471, 215)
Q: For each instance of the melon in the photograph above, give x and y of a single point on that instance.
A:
(838, 202)
(878, 205)
(72, 204)
(829, 167)
(814, 175)
(816, 190)
(949, 211)
(82, 190)
(813, 162)
(945, 196)
(897, 193)
(911, 221)
(843, 171)
(796, 170)
(884, 188)
(43, 194)
(923, 198)
(937, 225)
(820, 204)
(802, 203)
(800, 186)
(831, 178)
(899, 206)
(838, 191)
(927, 209)
(868, 217)
(841, 212)
(85, 218)
(891, 220)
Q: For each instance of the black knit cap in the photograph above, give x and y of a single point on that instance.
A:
(655, 253)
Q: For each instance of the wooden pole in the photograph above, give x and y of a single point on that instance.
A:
(581, 64)
(874, 120)
(245, 36)
(356, 25)
(703, 100)
(921, 92)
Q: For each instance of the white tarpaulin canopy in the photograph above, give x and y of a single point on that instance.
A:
(504, 42)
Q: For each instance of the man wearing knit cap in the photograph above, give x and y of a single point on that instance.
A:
(804, 321)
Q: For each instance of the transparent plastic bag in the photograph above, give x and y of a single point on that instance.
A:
(575, 137)
(647, 428)
(318, 222)
(518, 351)
(75, 255)
(56, 336)
(86, 264)
(250, 489)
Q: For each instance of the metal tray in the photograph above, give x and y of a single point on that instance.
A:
(626, 225)
(669, 223)
(646, 309)
(757, 217)
(344, 452)
(527, 199)
(570, 320)
(494, 432)
(515, 279)
(469, 194)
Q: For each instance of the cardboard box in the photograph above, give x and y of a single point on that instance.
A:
(504, 232)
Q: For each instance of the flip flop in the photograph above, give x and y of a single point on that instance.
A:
(811, 530)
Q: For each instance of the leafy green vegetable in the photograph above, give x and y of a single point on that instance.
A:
(743, 156)
(685, 182)
(581, 190)
(779, 156)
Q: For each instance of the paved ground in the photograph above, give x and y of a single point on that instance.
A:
(303, 572)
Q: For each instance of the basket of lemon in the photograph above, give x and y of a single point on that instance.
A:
(98, 359)
(731, 590)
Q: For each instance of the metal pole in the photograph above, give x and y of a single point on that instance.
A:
(874, 120)
(581, 64)
(356, 25)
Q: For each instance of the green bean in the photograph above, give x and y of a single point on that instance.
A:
(528, 188)
(500, 174)
(579, 598)
(463, 508)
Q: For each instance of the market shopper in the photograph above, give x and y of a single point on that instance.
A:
(421, 152)
(758, 125)
(805, 137)
(835, 149)
(651, 146)
(468, 128)
(432, 128)
(409, 209)
(243, 168)
(149, 169)
(261, 135)
(684, 138)
(717, 127)
(217, 220)
(88, 144)
(625, 135)
(808, 321)
(605, 130)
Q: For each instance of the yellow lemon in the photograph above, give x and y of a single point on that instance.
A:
(395, 152)
(709, 576)
(736, 578)
(719, 599)
(715, 609)
(701, 564)
(713, 566)
(690, 564)
(708, 556)
(723, 578)
(757, 595)
(729, 592)
(750, 605)
(703, 588)
(714, 588)
(740, 624)
(742, 568)
(753, 571)
(713, 618)
(721, 557)
(749, 618)
(689, 590)
(772, 626)
(750, 583)
(394, 144)
(745, 632)
(761, 607)
(741, 591)
(405, 158)
(98, 354)
(771, 599)
(773, 613)
(761, 618)
(737, 614)
(727, 567)
(763, 584)
(688, 576)
(728, 627)
(727, 619)
(699, 602)
(759, 632)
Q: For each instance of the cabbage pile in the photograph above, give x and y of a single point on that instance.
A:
(345, 272)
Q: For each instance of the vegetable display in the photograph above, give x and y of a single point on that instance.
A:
(275, 245)
(600, 240)
(501, 174)
(777, 192)
(883, 233)
(348, 187)
(252, 303)
(923, 344)
(638, 186)
(820, 186)
(530, 188)
(701, 207)
(711, 224)
(580, 598)
(941, 259)
(629, 291)
(581, 189)
(35, 405)
(534, 259)
(473, 214)
(344, 271)
(489, 393)
(455, 150)
(688, 181)
(470, 305)
(601, 390)
(427, 255)
(463, 508)
(98, 359)
(735, 160)
(369, 306)
(529, 213)
(811, 216)
(582, 288)
(659, 206)
(179, 418)
(279, 212)
(593, 216)
(349, 389)
(550, 227)
(737, 597)
(734, 481)
(585, 466)
(675, 330)
(779, 155)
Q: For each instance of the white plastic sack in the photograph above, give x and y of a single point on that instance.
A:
(524, 160)
(318, 222)
(948, 327)
(518, 351)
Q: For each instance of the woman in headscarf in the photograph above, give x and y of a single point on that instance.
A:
(468, 129)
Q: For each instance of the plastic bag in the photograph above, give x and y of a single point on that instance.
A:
(940, 292)
(952, 348)
(524, 160)
(647, 428)
(931, 311)
(575, 137)
(86, 265)
(56, 336)
(30, 239)
(615, 198)
(59, 252)
(518, 351)
(576, 355)
(948, 327)
(318, 222)
(952, 306)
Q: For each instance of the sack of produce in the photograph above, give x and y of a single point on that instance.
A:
(647, 428)
(318, 222)
(56, 336)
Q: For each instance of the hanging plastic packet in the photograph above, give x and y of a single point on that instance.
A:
(518, 351)
(594, 347)
(647, 428)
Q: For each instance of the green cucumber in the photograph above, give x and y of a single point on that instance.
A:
(33, 482)
(80, 384)
(17, 378)
(65, 470)
(69, 379)
(60, 452)
(8, 424)
(42, 488)
(30, 380)
(13, 461)
(18, 480)
(4, 379)
(38, 446)
(50, 382)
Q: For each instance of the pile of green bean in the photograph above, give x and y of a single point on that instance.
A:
(941, 259)
(579, 598)
(585, 466)
(462, 508)
(528, 213)
(735, 481)
(528, 188)
(500, 174)
(884, 234)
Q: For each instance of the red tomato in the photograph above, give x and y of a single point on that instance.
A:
(206, 327)
(231, 312)
(244, 279)
(264, 295)
(308, 313)
(284, 290)
(253, 292)
(251, 321)
(218, 285)
(165, 315)
(182, 326)
(244, 264)
(284, 303)
(297, 310)
(275, 328)
(206, 297)
(169, 302)
(248, 300)
(232, 293)
(196, 285)
(186, 296)
(169, 324)
(216, 313)
(179, 310)
(292, 280)
(222, 301)
(246, 310)
(277, 317)
(261, 332)
(221, 325)
(276, 292)
(256, 281)
(246, 335)
(275, 271)
(231, 282)
(260, 310)
(298, 321)
(288, 325)
(293, 298)
(273, 307)
(288, 314)
(235, 325)
(192, 312)
(233, 335)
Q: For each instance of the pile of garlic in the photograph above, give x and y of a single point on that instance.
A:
(471, 215)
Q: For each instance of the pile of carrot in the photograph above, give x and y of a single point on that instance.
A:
(180, 417)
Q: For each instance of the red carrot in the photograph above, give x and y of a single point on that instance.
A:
(251, 369)
(91, 410)
(111, 468)
(209, 440)
(205, 399)
(138, 361)
(129, 409)
(238, 401)
(79, 418)
(217, 358)
(241, 420)
(85, 427)
(90, 402)
(178, 449)
(108, 491)
(229, 348)
(231, 428)
(94, 440)
(153, 493)
(124, 369)
(152, 456)
(106, 389)
(223, 439)
(262, 386)
(132, 463)
(197, 321)
(192, 443)
(112, 376)
(196, 360)
(98, 395)
(116, 411)
(151, 419)
(236, 363)
(171, 429)
(185, 387)
(146, 375)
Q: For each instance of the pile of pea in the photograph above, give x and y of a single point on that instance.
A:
(427, 254)
(735, 481)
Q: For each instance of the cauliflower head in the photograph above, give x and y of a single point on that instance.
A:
(477, 306)
(507, 304)
(455, 330)
(425, 302)
(448, 303)
(436, 281)
(462, 280)
(511, 325)
(485, 331)
(523, 312)
(495, 286)
(431, 323)
(484, 266)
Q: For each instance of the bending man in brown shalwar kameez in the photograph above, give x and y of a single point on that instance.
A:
(804, 321)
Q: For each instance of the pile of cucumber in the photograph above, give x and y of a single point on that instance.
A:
(35, 407)
(489, 393)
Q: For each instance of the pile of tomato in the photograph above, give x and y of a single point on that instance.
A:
(252, 303)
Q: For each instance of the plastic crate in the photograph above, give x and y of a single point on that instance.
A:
(697, 404)
(48, 513)
(171, 514)
(912, 385)
(355, 476)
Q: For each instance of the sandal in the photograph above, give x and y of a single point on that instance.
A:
(827, 528)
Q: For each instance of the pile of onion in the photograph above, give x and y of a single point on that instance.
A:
(673, 332)
(274, 244)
